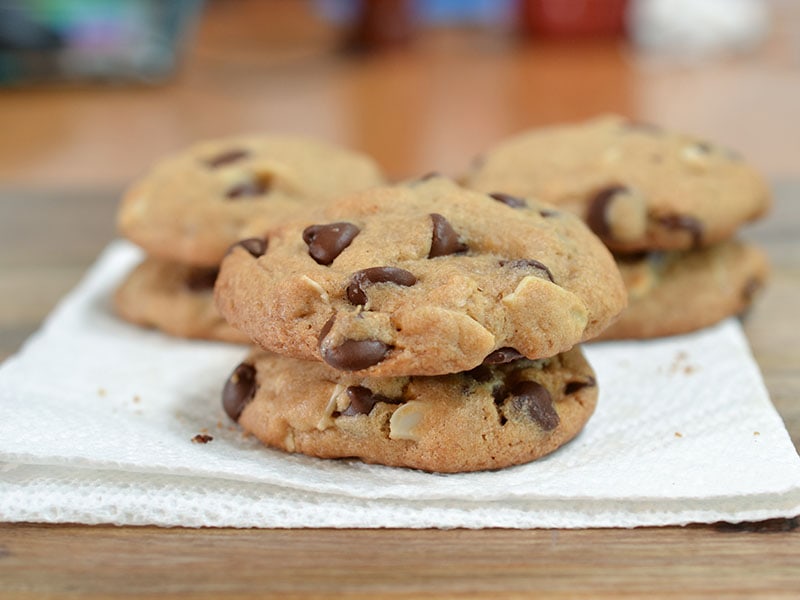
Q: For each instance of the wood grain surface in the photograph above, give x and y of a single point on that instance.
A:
(66, 154)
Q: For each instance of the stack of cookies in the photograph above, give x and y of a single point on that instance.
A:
(667, 205)
(192, 207)
(419, 325)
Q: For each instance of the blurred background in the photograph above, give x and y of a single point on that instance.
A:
(93, 91)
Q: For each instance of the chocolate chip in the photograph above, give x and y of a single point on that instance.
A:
(534, 398)
(254, 187)
(362, 401)
(574, 386)
(687, 223)
(201, 280)
(239, 390)
(227, 158)
(326, 242)
(428, 176)
(509, 200)
(528, 263)
(356, 293)
(481, 373)
(751, 288)
(596, 215)
(445, 239)
(502, 356)
(354, 355)
(326, 329)
(255, 246)
(202, 438)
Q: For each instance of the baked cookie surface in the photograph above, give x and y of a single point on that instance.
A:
(492, 417)
(639, 187)
(422, 279)
(677, 292)
(176, 299)
(192, 206)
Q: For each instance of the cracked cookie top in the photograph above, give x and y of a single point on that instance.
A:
(192, 206)
(639, 187)
(424, 278)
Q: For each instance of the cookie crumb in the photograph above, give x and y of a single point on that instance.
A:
(202, 438)
(137, 399)
(678, 434)
(101, 392)
(756, 433)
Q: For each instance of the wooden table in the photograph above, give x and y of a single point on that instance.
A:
(66, 156)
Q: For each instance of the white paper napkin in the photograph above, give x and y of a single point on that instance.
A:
(97, 418)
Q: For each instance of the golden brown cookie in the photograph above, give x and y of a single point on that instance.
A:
(677, 292)
(176, 299)
(192, 206)
(491, 417)
(422, 279)
(639, 187)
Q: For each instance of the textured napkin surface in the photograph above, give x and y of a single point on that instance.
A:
(97, 418)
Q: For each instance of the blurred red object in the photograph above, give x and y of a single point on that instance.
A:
(565, 18)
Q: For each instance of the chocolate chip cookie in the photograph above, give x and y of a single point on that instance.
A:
(192, 206)
(425, 278)
(494, 416)
(639, 187)
(177, 299)
(677, 292)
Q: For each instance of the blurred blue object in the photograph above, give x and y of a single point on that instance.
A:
(97, 40)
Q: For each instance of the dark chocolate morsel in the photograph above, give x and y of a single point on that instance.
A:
(596, 214)
(445, 239)
(255, 246)
(253, 187)
(356, 293)
(326, 329)
(362, 401)
(509, 200)
(201, 280)
(227, 158)
(239, 390)
(527, 263)
(574, 386)
(326, 242)
(534, 399)
(502, 356)
(354, 355)
(687, 223)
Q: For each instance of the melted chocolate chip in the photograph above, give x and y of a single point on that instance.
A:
(574, 386)
(686, 223)
(326, 329)
(255, 246)
(326, 242)
(596, 215)
(509, 200)
(534, 399)
(445, 239)
(201, 280)
(227, 158)
(354, 355)
(527, 263)
(481, 373)
(362, 401)
(239, 390)
(247, 189)
(356, 293)
(502, 356)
